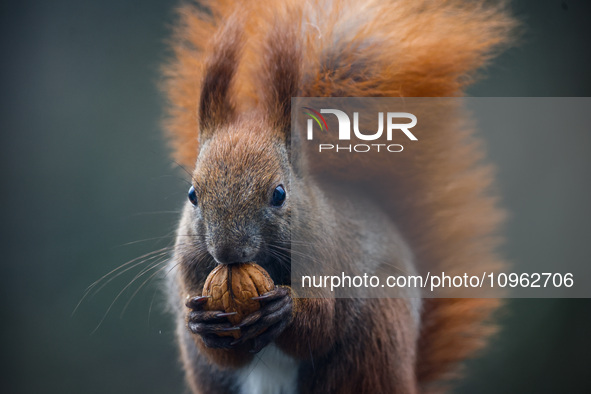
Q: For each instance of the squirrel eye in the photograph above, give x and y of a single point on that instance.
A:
(278, 196)
(193, 196)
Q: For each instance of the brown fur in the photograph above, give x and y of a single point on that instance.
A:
(415, 48)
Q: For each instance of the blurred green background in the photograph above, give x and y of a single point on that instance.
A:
(87, 186)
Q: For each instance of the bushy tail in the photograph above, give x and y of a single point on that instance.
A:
(346, 48)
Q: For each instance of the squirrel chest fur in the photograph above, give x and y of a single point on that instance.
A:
(235, 68)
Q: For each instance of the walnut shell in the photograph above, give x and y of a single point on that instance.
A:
(231, 288)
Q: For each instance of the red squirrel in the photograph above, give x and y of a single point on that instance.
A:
(235, 68)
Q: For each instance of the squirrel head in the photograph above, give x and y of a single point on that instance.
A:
(239, 202)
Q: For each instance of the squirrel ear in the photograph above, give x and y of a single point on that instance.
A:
(216, 105)
(280, 77)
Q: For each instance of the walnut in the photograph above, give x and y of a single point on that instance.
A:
(231, 288)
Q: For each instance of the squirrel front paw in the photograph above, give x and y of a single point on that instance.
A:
(261, 327)
(266, 324)
(209, 324)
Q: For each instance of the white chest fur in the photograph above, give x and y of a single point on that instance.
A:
(270, 372)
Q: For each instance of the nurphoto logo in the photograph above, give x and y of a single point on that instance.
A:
(344, 130)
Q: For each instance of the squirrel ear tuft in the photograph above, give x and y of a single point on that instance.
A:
(280, 78)
(216, 104)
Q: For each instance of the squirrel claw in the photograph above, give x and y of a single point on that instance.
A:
(224, 314)
(277, 292)
(196, 302)
(261, 297)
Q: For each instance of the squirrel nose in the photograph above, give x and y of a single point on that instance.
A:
(228, 254)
